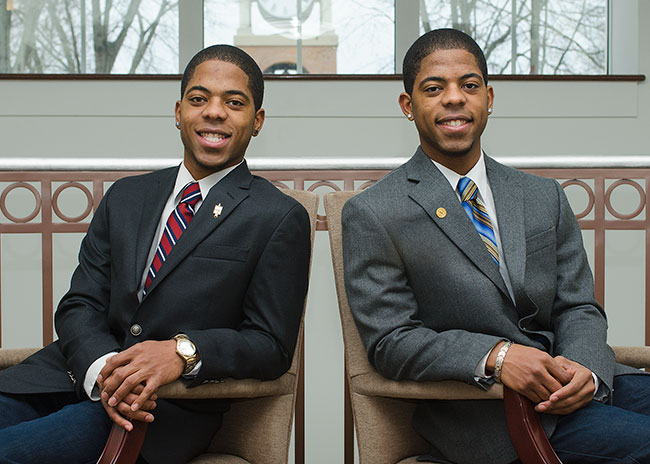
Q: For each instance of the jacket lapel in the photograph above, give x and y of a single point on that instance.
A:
(508, 200)
(432, 191)
(229, 192)
(155, 198)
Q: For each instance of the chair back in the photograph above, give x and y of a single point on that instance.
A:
(383, 425)
(259, 429)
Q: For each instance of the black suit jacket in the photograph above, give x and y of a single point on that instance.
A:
(234, 284)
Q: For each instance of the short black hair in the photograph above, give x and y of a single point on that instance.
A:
(233, 55)
(439, 39)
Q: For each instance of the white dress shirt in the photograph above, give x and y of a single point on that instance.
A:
(182, 179)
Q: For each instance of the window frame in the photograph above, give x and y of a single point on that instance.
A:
(622, 56)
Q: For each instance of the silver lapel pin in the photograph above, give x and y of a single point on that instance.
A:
(216, 212)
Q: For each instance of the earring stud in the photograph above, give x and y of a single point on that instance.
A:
(255, 132)
(489, 110)
(409, 116)
(178, 124)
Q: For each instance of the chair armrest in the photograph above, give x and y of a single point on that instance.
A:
(634, 356)
(230, 388)
(524, 426)
(12, 356)
(123, 447)
(526, 431)
(373, 384)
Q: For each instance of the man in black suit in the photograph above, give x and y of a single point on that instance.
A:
(197, 271)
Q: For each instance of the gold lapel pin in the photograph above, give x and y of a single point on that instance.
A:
(216, 212)
(441, 212)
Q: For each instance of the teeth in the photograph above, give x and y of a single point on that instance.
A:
(455, 122)
(211, 137)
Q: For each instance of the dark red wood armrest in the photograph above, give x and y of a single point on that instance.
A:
(123, 447)
(526, 431)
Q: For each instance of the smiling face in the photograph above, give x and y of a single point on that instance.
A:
(449, 104)
(217, 118)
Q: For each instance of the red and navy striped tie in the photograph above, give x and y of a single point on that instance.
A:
(174, 228)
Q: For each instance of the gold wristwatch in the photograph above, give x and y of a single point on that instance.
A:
(186, 349)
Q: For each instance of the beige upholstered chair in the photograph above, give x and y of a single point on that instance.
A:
(382, 408)
(256, 430)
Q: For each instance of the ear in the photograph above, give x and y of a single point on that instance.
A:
(404, 101)
(490, 92)
(259, 120)
(177, 111)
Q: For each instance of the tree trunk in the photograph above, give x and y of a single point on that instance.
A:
(105, 51)
(27, 58)
(535, 44)
(5, 28)
(461, 11)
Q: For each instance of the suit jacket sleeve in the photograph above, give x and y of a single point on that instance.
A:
(386, 311)
(578, 321)
(81, 318)
(262, 346)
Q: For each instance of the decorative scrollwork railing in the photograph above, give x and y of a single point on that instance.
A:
(597, 186)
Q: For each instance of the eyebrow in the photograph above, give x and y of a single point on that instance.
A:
(200, 88)
(237, 92)
(441, 79)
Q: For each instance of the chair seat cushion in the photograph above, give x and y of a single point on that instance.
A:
(212, 458)
(411, 460)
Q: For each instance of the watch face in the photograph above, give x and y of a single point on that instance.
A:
(186, 348)
(284, 9)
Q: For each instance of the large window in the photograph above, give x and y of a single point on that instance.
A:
(300, 36)
(529, 36)
(89, 36)
(324, 37)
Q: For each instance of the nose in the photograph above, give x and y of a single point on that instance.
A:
(215, 109)
(453, 95)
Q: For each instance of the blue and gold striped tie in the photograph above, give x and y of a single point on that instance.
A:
(478, 215)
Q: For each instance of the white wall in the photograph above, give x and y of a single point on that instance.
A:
(89, 119)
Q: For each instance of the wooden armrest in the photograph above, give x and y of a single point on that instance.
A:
(526, 431)
(373, 384)
(634, 356)
(524, 425)
(12, 356)
(123, 447)
(230, 388)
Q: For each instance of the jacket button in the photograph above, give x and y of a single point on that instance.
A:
(135, 330)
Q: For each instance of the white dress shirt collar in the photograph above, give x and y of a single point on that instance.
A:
(478, 174)
(184, 177)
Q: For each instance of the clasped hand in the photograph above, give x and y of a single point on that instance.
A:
(129, 380)
(556, 384)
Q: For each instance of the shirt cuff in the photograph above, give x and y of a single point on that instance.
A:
(479, 372)
(90, 380)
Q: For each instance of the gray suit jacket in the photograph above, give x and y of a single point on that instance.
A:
(430, 302)
(235, 285)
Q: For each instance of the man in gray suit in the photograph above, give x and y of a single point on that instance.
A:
(457, 267)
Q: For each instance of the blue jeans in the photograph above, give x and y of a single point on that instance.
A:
(617, 433)
(51, 428)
